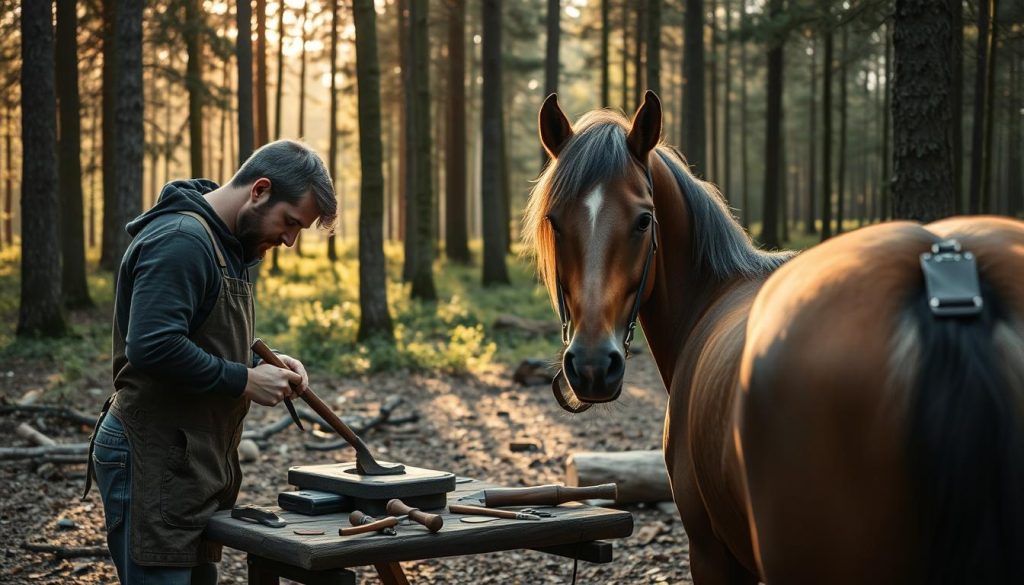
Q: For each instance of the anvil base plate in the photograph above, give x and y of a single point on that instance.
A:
(417, 487)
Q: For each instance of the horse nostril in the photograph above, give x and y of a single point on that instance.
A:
(616, 366)
(568, 364)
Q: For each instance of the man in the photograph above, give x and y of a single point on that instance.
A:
(165, 455)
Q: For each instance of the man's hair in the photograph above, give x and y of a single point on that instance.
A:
(293, 169)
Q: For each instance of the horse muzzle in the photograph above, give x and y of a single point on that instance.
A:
(594, 374)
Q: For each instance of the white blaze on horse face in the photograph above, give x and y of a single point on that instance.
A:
(595, 252)
(593, 203)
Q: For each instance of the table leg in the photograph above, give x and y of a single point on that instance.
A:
(260, 574)
(391, 574)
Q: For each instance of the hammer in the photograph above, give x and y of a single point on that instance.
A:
(399, 511)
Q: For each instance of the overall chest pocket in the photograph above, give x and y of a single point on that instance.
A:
(194, 472)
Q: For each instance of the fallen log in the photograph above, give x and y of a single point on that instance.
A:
(639, 475)
(41, 451)
(61, 411)
(32, 435)
(534, 326)
(67, 552)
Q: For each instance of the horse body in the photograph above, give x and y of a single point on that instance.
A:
(799, 395)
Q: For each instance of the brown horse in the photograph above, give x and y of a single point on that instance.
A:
(823, 425)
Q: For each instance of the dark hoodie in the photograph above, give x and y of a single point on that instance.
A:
(168, 284)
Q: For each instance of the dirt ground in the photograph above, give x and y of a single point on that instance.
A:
(465, 426)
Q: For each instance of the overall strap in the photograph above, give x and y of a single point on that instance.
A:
(213, 238)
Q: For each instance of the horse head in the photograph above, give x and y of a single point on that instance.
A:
(592, 221)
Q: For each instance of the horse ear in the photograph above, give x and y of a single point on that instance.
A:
(555, 129)
(646, 130)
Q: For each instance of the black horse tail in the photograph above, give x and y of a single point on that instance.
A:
(967, 444)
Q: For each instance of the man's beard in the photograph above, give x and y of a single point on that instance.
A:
(250, 233)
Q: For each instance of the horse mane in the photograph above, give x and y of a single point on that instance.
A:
(599, 153)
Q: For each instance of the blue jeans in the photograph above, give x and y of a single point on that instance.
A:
(113, 464)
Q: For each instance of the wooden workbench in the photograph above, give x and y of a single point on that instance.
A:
(278, 552)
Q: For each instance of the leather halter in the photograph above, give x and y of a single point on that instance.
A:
(566, 318)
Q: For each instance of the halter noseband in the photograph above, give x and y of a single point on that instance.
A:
(566, 318)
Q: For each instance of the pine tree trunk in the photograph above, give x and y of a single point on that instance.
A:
(726, 102)
(75, 289)
(714, 161)
(744, 160)
(551, 62)
(826, 137)
(423, 273)
(260, 88)
(95, 190)
(980, 86)
(194, 84)
(8, 219)
(812, 147)
(692, 132)
(374, 318)
(494, 232)
(773, 138)
(886, 211)
(112, 244)
(332, 135)
(654, 46)
(243, 58)
(625, 56)
(605, 64)
(456, 240)
(279, 86)
(841, 162)
(1015, 166)
(410, 217)
(956, 62)
(986, 205)
(922, 188)
(638, 51)
(40, 313)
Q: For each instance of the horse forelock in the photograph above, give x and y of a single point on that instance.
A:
(596, 154)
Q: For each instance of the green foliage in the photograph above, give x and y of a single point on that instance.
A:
(311, 311)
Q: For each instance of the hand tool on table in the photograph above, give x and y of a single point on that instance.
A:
(264, 516)
(363, 523)
(398, 508)
(495, 512)
(287, 401)
(365, 462)
(544, 495)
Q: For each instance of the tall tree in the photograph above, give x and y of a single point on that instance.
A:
(491, 184)
(423, 272)
(243, 57)
(551, 63)
(981, 75)
(744, 158)
(714, 160)
(303, 39)
(956, 65)
(773, 135)
(640, 6)
(812, 145)
(374, 319)
(275, 265)
(456, 238)
(41, 313)
(194, 83)
(922, 187)
(605, 64)
(844, 58)
(128, 114)
(410, 219)
(826, 123)
(693, 123)
(114, 242)
(654, 46)
(726, 177)
(886, 182)
(987, 203)
(260, 88)
(332, 130)
(75, 289)
(8, 209)
(1015, 186)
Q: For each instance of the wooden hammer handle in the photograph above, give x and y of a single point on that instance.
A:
(260, 348)
(547, 495)
(397, 507)
(371, 527)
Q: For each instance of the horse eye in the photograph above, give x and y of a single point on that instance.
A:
(554, 226)
(644, 223)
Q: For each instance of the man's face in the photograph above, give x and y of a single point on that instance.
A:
(262, 225)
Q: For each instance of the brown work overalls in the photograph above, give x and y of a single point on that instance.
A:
(183, 442)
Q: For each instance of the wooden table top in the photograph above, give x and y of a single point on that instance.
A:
(569, 523)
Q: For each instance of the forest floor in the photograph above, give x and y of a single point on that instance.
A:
(466, 422)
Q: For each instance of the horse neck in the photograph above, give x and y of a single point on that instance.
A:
(681, 294)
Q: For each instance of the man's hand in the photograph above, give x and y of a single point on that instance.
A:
(297, 367)
(268, 385)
